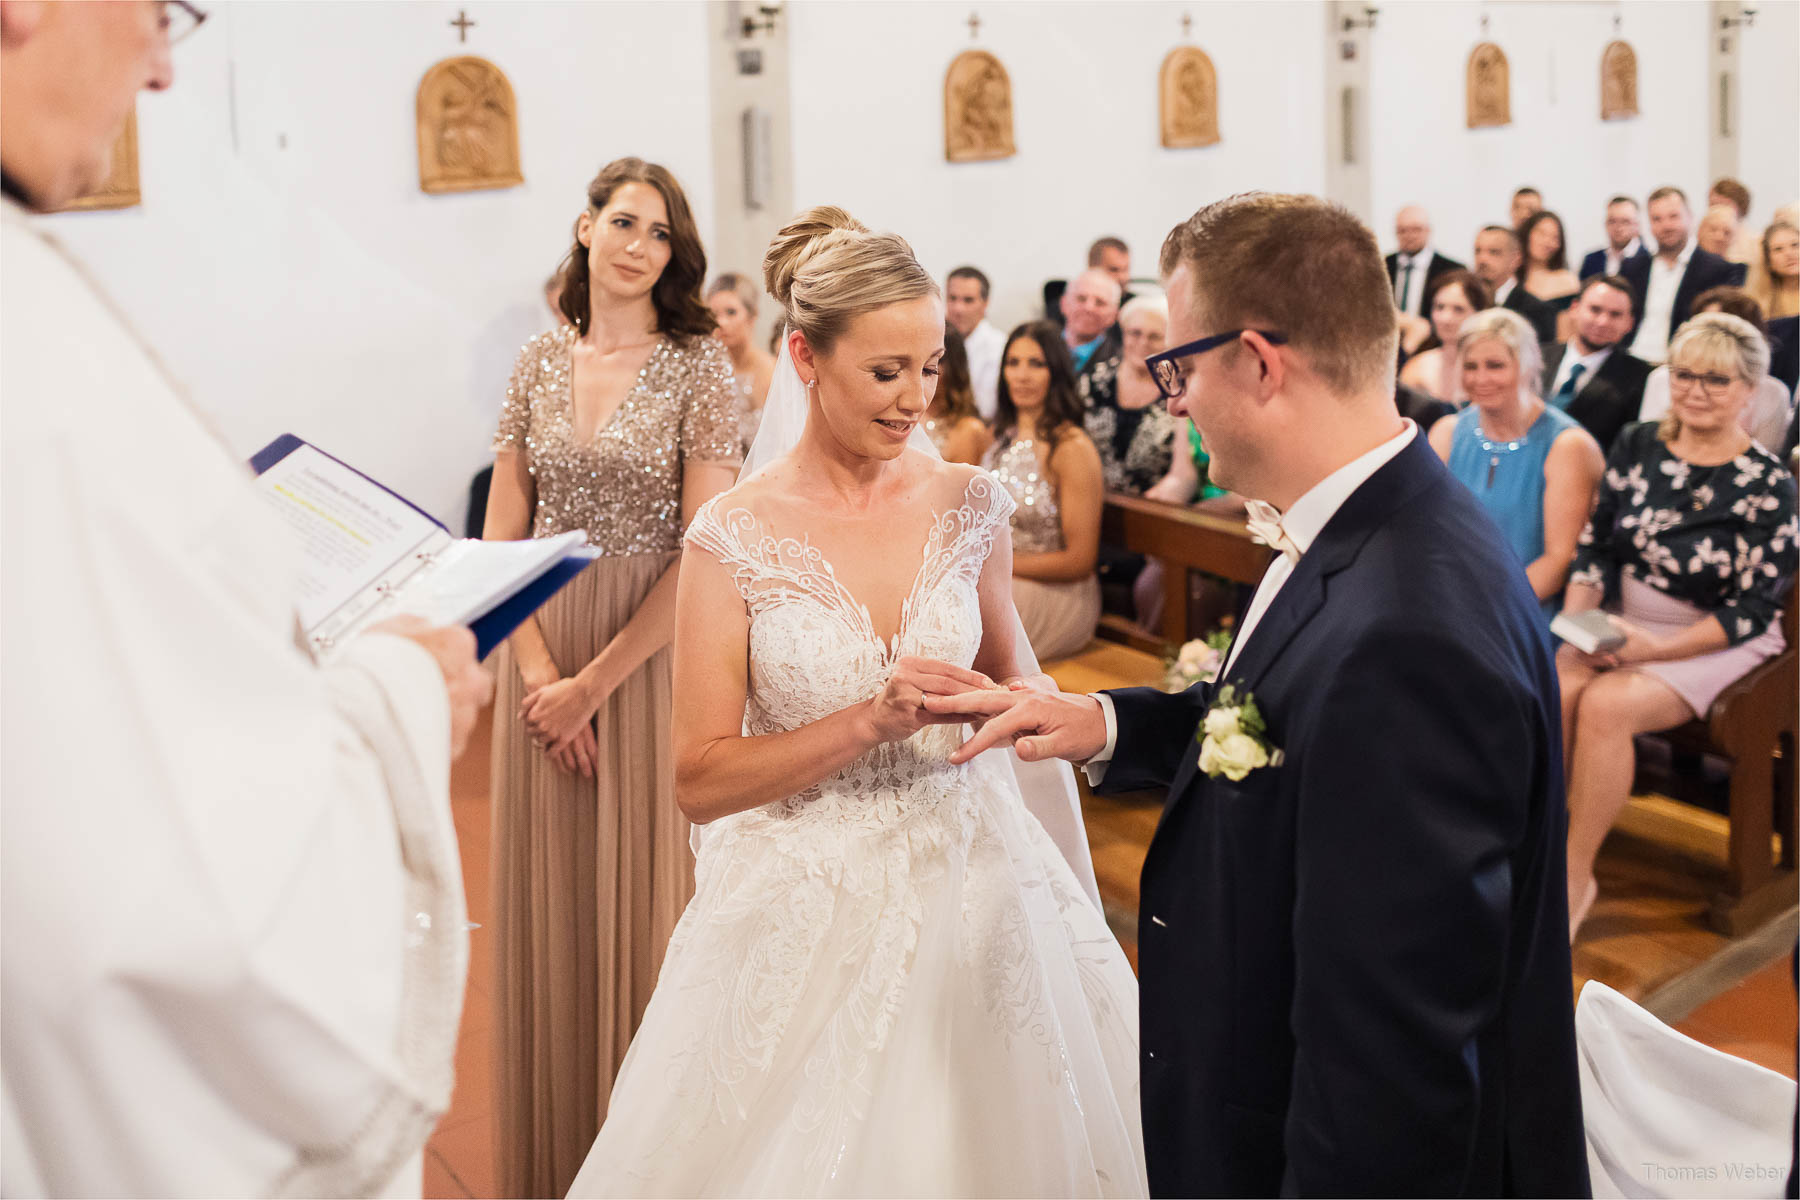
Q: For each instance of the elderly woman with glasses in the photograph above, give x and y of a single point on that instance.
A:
(1692, 545)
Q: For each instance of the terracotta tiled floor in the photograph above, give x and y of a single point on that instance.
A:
(1646, 929)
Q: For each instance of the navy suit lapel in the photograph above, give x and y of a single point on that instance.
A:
(1397, 482)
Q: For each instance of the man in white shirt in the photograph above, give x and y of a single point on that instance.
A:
(233, 922)
(1669, 281)
(1622, 241)
(965, 310)
(1498, 256)
(1413, 266)
(1353, 941)
(1591, 377)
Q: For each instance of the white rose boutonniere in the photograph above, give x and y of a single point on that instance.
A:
(1233, 738)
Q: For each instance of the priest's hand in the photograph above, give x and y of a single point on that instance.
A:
(1036, 722)
(468, 686)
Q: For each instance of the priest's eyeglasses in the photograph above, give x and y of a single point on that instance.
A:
(1171, 376)
(177, 19)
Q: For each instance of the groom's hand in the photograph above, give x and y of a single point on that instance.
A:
(1037, 723)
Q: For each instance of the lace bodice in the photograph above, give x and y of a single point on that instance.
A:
(814, 649)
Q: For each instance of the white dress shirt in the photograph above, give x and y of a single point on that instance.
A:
(983, 347)
(1302, 523)
(1652, 341)
(1414, 294)
(1590, 363)
(1504, 290)
(1616, 258)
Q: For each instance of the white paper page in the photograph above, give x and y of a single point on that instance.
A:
(469, 577)
(350, 530)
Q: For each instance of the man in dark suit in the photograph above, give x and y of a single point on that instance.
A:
(1622, 241)
(1498, 257)
(1591, 377)
(1415, 264)
(1354, 937)
(1668, 282)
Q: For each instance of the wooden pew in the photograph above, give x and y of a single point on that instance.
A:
(1186, 540)
(1754, 723)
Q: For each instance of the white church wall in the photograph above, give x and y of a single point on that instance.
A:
(1769, 98)
(1424, 152)
(868, 112)
(288, 268)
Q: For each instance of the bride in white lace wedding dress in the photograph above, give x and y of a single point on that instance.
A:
(890, 981)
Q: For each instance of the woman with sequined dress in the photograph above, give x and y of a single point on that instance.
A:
(621, 424)
(1049, 465)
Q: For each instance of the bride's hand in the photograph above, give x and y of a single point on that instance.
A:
(899, 711)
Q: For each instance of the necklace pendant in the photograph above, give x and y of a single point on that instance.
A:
(1492, 463)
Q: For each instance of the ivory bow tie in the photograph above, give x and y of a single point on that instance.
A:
(1265, 526)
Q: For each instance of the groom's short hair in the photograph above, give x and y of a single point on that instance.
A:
(1300, 266)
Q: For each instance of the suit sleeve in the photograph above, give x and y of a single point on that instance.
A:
(1156, 730)
(1413, 802)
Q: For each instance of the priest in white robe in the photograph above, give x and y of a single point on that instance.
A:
(232, 930)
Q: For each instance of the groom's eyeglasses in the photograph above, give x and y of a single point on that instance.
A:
(1171, 376)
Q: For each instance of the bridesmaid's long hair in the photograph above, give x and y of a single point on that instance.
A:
(1062, 401)
(680, 312)
(955, 391)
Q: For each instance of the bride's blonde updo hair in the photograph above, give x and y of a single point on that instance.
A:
(826, 269)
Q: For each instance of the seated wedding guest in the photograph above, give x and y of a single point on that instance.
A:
(1533, 468)
(1774, 275)
(1455, 297)
(951, 422)
(1188, 481)
(1498, 258)
(1089, 308)
(1765, 415)
(1415, 265)
(1694, 537)
(1732, 194)
(1622, 241)
(733, 299)
(235, 937)
(1122, 408)
(1718, 230)
(1545, 270)
(1049, 465)
(1525, 201)
(1667, 282)
(1591, 377)
(965, 310)
(1113, 256)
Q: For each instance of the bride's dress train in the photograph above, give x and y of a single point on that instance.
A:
(891, 983)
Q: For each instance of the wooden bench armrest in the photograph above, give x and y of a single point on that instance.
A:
(1184, 538)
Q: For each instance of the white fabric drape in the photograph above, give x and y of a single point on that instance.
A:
(233, 920)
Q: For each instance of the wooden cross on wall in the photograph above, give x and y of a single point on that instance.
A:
(462, 24)
(974, 27)
(1187, 25)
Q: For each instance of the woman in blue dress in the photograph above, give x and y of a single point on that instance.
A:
(1532, 466)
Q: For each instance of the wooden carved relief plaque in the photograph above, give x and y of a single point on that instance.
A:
(978, 114)
(1188, 88)
(468, 127)
(1618, 82)
(1489, 87)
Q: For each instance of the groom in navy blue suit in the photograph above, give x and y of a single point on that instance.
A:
(1353, 943)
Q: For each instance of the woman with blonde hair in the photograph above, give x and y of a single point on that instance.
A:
(620, 423)
(890, 981)
(1532, 466)
(1774, 277)
(733, 300)
(1694, 536)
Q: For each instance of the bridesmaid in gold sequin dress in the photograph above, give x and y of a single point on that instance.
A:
(1048, 463)
(621, 424)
